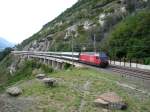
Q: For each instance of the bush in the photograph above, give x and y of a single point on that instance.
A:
(66, 66)
(147, 61)
(46, 69)
(130, 38)
(25, 72)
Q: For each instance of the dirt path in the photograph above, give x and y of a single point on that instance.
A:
(125, 85)
(15, 104)
(85, 89)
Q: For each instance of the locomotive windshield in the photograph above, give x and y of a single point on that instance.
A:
(103, 56)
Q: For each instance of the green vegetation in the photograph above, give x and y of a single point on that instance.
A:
(4, 53)
(131, 38)
(4, 64)
(128, 39)
(126, 31)
(70, 92)
(25, 71)
(74, 86)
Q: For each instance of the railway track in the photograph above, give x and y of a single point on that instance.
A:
(142, 74)
(138, 73)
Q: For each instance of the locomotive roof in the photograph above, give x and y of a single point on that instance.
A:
(94, 53)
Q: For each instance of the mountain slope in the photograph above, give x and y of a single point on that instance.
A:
(4, 43)
(85, 22)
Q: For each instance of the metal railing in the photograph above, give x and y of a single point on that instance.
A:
(129, 63)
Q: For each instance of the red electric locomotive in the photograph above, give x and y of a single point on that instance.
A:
(98, 59)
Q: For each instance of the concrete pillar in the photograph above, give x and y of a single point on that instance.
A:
(28, 57)
(62, 66)
(37, 59)
(47, 61)
(25, 57)
(41, 60)
(50, 62)
(44, 60)
(32, 58)
(54, 64)
(21, 56)
(59, 66)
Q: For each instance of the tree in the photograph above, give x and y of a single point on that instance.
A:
(131, 5)
(4, 53)
(148, 4)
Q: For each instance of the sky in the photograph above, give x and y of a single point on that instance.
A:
(20, 19)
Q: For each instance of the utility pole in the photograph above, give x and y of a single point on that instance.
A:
(94, 44)
(55, 47)
(72, 44)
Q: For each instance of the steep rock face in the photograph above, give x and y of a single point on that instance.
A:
(84, 21)
(40, 45)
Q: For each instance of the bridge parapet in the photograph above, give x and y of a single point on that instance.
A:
(54, 61)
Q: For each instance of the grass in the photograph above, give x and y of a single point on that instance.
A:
(70, 92)
(25, 72)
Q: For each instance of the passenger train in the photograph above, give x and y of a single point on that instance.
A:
(98, 59)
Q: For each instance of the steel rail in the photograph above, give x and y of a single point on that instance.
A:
(143, 74)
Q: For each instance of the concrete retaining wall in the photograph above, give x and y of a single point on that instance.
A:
(132, 65)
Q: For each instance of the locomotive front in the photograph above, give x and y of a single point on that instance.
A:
(103, 60)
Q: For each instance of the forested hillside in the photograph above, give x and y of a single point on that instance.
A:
(121, 22)
(131, 37)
